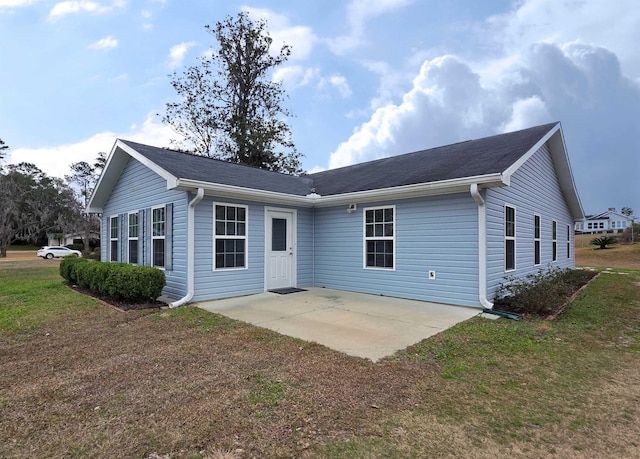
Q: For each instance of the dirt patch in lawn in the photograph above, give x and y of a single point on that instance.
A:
(189, 384)
(25, 259)
(620, 256)
(108, 384)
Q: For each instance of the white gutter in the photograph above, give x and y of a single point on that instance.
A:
(458, 185)
(190, 250)
(482, 246)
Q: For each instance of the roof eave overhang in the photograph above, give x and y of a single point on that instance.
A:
(558, 149)
(315, 200)
(460, 185)
(115, 164)
(237, 192)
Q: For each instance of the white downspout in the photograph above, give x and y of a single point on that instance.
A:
(482, 246)
(191, 244)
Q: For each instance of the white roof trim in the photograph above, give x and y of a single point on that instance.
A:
(560, 158)
(113, 168)
(117, 160)
(315, 200)
(238, 192)
(506, 175)
(144, 160)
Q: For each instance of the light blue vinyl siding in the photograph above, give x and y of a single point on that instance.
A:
(305, 247)
(534, 190)
(140, 188)
(221, 283)
(436, 233)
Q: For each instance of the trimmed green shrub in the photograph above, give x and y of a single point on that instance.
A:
(120, 281)
(68, 268)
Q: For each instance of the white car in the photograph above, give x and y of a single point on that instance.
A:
(57, 252)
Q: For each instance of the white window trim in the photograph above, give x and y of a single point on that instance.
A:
(554, 241)
(510, 238)
(386, 238)
(111, 238)
(568, 242)
(129, 238)
(245, 237)
(537, 239)
(154, 238)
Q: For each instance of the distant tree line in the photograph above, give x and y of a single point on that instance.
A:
(33, 204)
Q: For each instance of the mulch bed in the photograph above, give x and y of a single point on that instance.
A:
(117, 304)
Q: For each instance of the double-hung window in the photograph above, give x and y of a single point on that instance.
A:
(536, 239)
(568, 241)
(379, 237)
(509, 238)
(158, 232)
(133, 232)
(554, 240)
(230, 239)
(114, 233)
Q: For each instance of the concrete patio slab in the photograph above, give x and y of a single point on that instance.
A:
(367, 326)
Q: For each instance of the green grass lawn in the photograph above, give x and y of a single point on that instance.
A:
(78, 379)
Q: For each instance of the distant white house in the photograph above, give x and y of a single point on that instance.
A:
(69, 238)
(609, 221)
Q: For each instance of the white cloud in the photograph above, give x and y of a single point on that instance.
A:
(65, 8)
(338, 82)
(358, 13)
(15, 3)
(293, 76)
(526, 113)
(55, 160)
(177, 54)
(316, 169)
(580, 85)
(104, 43)
(612, 25)
(300, 38)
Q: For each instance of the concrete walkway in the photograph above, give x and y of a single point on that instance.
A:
(360, 325)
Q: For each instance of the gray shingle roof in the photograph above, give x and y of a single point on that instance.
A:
(472, 158)
(489, 155)
(192, 167)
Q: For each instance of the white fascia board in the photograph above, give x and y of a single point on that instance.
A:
(315, 200)
(170, 178)
(560, 157)
(524, 158)
(410, 191)
(115, 163)
(248, 194)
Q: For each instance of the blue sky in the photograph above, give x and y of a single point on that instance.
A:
(367, 78)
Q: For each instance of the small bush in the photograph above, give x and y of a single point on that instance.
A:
(120, 281)
(603, 242)
(68, 268)
(540, 294)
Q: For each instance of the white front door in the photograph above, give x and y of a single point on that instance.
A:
(279, 249)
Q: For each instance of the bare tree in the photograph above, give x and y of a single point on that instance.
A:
(229, 108)
(3, 149)
(83, 179)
